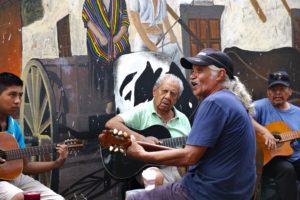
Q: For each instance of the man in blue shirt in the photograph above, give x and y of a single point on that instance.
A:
(220, 149)
(285, 171)
(10, 99)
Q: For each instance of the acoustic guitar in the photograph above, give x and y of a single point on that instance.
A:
(281, 131)
(113, 147)
(10, 151)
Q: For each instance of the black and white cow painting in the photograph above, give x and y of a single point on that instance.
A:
(135, 75)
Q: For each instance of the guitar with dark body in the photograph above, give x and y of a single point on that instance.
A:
(122, 167)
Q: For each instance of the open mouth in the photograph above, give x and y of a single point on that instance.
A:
(194, 83)
(278, 98)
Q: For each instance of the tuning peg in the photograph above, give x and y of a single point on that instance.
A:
(120, 133)
(115, 131)
(111, 148)
(122, 151)
(126, 135)
(116, 149)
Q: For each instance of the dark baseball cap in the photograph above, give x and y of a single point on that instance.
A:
(279, 78)
(208, 57)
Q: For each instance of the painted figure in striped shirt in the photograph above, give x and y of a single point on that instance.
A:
(107, 38)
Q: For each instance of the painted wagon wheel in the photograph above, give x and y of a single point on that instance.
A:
(37, 112)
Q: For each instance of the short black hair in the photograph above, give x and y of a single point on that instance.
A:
(8, 79)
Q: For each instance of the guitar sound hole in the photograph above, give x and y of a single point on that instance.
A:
(3, 154)
(277, 136)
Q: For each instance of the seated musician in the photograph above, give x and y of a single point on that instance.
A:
(10, 99)
(284, 170)
(159, 111)
(220, 149)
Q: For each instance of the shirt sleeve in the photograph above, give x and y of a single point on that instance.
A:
(124, 14)
(164, 9)
(134, 5)
(204, 130)
(20, 138)
(257, 112)
(85, 13)
(132, 117)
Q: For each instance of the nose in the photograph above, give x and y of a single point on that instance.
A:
(168, 95)
(18, 100)
(192, 75)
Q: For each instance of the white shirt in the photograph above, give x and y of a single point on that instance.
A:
(146, 10)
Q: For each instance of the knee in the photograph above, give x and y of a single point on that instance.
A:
(288, 171)
(159, 178)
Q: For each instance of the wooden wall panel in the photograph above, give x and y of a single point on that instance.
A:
(10, 37)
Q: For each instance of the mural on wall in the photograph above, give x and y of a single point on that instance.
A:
(31, 11)
(47, 43)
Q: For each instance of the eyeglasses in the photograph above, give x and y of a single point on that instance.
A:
(279, 76)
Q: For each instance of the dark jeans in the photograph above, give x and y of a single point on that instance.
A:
(284, 173)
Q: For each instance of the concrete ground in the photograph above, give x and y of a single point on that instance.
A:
(83, 176)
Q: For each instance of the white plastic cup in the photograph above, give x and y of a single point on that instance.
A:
(149, 179)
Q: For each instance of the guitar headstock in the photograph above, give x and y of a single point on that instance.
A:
(74, 145)
(114, 140)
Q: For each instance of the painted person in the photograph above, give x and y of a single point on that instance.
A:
(220, 149)
(107, 38)
(10, 99)
(159, 111)
(284, 170)
(151, 23)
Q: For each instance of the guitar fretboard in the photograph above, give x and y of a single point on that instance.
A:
(287, 136)
(27, 152)
(174, 142)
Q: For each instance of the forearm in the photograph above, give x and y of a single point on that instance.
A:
(94, 29)
(40, 167)
(118, 123)
(189, 155)
(168, 28)
(120, 34)
(176, 157)
(259, 128)
(265, 134)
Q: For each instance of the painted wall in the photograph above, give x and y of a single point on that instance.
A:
(40, 37)
(240, 26)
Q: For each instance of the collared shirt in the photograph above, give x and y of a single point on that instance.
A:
(144, 115)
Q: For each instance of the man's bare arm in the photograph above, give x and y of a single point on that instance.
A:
(189, 155)
(118, 123)
(270, 140)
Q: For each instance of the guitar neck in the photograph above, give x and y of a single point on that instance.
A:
(27, 152)
(166, 144)
(290, 136)
(174, 142)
